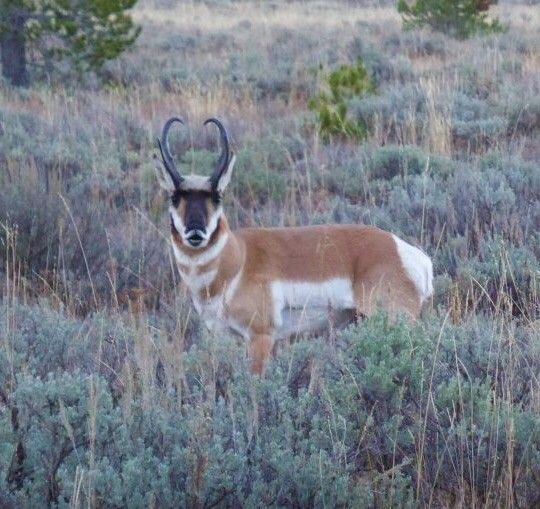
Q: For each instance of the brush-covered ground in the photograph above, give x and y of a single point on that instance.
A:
(112, 394)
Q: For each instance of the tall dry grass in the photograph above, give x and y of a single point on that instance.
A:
(84, 247)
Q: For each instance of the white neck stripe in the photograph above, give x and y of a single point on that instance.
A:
(197, 282)
(205, 257)
(231, 287)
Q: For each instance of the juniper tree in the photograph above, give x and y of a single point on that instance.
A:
(458, 18)
(82, 33)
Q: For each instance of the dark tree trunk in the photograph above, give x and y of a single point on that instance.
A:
(15, 475)
(13, 49)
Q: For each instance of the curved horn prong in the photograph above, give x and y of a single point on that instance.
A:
(223, 160)
(165, 150)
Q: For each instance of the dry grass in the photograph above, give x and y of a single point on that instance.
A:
(106, 258)
(264, 17)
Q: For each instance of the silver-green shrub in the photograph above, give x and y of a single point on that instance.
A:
(389, 410)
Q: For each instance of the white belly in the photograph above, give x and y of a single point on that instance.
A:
(301, 306)
(311, 321)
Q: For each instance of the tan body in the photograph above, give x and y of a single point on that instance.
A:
(270, 283)
(260, 276)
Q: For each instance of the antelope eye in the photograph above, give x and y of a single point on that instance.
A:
(216, 198)
(175, 198)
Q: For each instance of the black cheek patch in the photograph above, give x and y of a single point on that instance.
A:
(175, 198)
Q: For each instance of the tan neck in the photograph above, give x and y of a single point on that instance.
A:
(232, 256)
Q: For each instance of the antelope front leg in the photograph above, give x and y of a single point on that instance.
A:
(259, 349)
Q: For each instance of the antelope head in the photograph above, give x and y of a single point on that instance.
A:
(195, 199)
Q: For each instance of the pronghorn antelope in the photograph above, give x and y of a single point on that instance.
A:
(270, 283)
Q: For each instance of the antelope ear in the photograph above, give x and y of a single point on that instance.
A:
(164, 179)
(226, 175)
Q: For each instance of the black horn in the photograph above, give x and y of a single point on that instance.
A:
(224, 157)
(165, 150)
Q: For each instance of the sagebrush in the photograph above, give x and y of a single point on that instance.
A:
(113, 394)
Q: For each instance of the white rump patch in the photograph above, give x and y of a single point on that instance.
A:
(336, 293)
(418, 267)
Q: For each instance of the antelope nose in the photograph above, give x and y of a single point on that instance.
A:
(194, 229)
(195, 236)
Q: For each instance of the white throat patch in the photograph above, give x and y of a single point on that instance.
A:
(204, 257)
(196, 282)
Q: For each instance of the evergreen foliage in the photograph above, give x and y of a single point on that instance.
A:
(458, 18)
(331, 104)
(82, 33)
